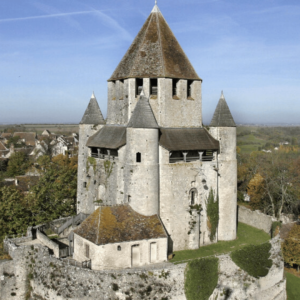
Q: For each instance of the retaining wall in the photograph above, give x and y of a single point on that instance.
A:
(255, 218)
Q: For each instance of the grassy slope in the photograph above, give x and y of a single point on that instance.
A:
(292, 287)
(246, 235)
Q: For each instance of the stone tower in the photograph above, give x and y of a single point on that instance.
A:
(223, 129)
(156, 63)
(142, 160)
(91, 122)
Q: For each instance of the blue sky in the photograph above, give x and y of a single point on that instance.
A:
(54, 54)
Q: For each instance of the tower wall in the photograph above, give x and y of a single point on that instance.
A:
(169, 110)
(227, 165)
(84, 195)
(142, 178)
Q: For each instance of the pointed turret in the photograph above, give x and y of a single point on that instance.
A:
(155, 53)
(222, 116)
(142, 116)
(93, 114)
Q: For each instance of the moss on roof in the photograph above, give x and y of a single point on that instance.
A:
(115, 224)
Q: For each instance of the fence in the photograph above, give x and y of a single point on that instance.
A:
(85, 264)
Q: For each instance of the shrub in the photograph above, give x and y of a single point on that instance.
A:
(212, 210)
(201, 278)
(254, 259)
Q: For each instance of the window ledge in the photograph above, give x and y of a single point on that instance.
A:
(190, 98)
(175, 97)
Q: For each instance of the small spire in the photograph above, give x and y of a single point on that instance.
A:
(93, 96)
(142, 92)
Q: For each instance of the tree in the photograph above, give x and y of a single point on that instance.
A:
(279, 187)
(15, 212)
(291, 247)
(18, 164)
(55, 194)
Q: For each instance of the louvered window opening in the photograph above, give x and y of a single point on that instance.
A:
(104, 153)
(153, 87)
(87, 251)
(189, 89)
(175, 83)
(138, 86)
(177, 156)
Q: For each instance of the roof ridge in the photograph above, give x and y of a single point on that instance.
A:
(160, 44)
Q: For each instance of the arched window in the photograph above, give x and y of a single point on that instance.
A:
(193, 196)
(119, 248)
(138, 157)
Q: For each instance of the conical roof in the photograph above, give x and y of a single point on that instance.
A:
(222, 116)
(155, 53)
(142, 116)
(93, 114)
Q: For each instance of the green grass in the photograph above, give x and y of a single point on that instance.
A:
(292, 286)
(250, 143)
(246, 235)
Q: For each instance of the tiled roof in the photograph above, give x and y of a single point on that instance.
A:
(6, 135)
(24, 183)
(111, 137)
(29, 137)
(176, 139)
(155, 53)
(116, 224)
(2, 147)
(93, 114)
(222, 116)
(26, 151)
(142, 116)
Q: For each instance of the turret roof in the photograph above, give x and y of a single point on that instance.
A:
(155, 53)
(222, 116)
(142, 116)
(93, 114)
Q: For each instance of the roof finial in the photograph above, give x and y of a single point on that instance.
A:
(222, 95)
(93, 96)
(155, 8)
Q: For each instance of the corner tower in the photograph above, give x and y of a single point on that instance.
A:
(142, 160)
(223, 128)
(156, 63)
(91, 122)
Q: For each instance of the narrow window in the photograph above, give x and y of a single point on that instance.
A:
(113, 90)
(138, 86)
(84, 184)
(121, 89)
(119, 248)
(153, 86)
(190, 89)
(138, 157)
(193, 198)
(174, 87)
(87, 251)
(129, 198)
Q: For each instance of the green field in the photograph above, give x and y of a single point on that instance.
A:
(292, 286)
(39, 128)
(249, 143)
(246, 235)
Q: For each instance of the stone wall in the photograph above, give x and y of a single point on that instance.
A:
(255, 218)
(46, 241)
(53, 279)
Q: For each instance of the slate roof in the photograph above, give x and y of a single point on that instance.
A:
(142, 116)
(222, 116)
(155, 53)
(116, 224)
(111, 137)
(29, 137)
(176, 139)
(26, 151)
(93, 114)
(2, 147)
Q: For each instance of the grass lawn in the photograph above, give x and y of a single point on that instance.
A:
(251, 143)
(246, 235)
(292, 286)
